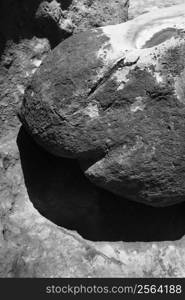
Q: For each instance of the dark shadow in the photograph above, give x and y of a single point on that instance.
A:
(65, 4)
(18, 21)
(61, 193)
(47, 28)
(2, 43)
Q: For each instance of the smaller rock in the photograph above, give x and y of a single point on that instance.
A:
(81, 15)
(88, 14)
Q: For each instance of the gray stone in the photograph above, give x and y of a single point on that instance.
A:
(138, 7)
(32, 246)
(74, 16)
(114, 99)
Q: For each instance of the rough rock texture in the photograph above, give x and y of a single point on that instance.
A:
(114, 99)
(29, 29)
(17, 65)
(86, 14)
(70, 200)
(73, 15)
(21, 52)
(138, 7)
(32, 246)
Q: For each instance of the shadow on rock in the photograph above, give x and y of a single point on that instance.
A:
(61, 193)
(19, 20)
(65, 3)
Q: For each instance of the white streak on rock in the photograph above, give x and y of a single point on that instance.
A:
(135, 33)
(92, 111)
(36, 62)
(21, 88)
(121, 75)
(158, 77)
(121, 86)
(180, 88)
(137, 105)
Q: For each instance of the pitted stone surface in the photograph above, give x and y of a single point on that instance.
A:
(32, 246)
(114, 99)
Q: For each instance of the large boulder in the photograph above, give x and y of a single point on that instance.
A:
(114, 99)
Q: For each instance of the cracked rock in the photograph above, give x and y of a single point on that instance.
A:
(113, 98)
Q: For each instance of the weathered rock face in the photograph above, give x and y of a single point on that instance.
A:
(138, 7)
(72, 16)
(17, 65)
(86, 14)
(28, 30)
(114, 99)
(32, 246)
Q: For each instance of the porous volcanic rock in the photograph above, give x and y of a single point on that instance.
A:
(114, 99)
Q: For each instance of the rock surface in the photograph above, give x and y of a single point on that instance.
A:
(73, 16)
(29, 29)
(32, 246)
(114, 99)
(138, 7)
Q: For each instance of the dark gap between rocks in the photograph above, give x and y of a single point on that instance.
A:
(65, 4)
(61, 193)
(18, 21)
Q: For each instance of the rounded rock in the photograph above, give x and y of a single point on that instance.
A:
(114, 99)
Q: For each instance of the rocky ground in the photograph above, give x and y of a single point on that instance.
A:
(53, 222)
